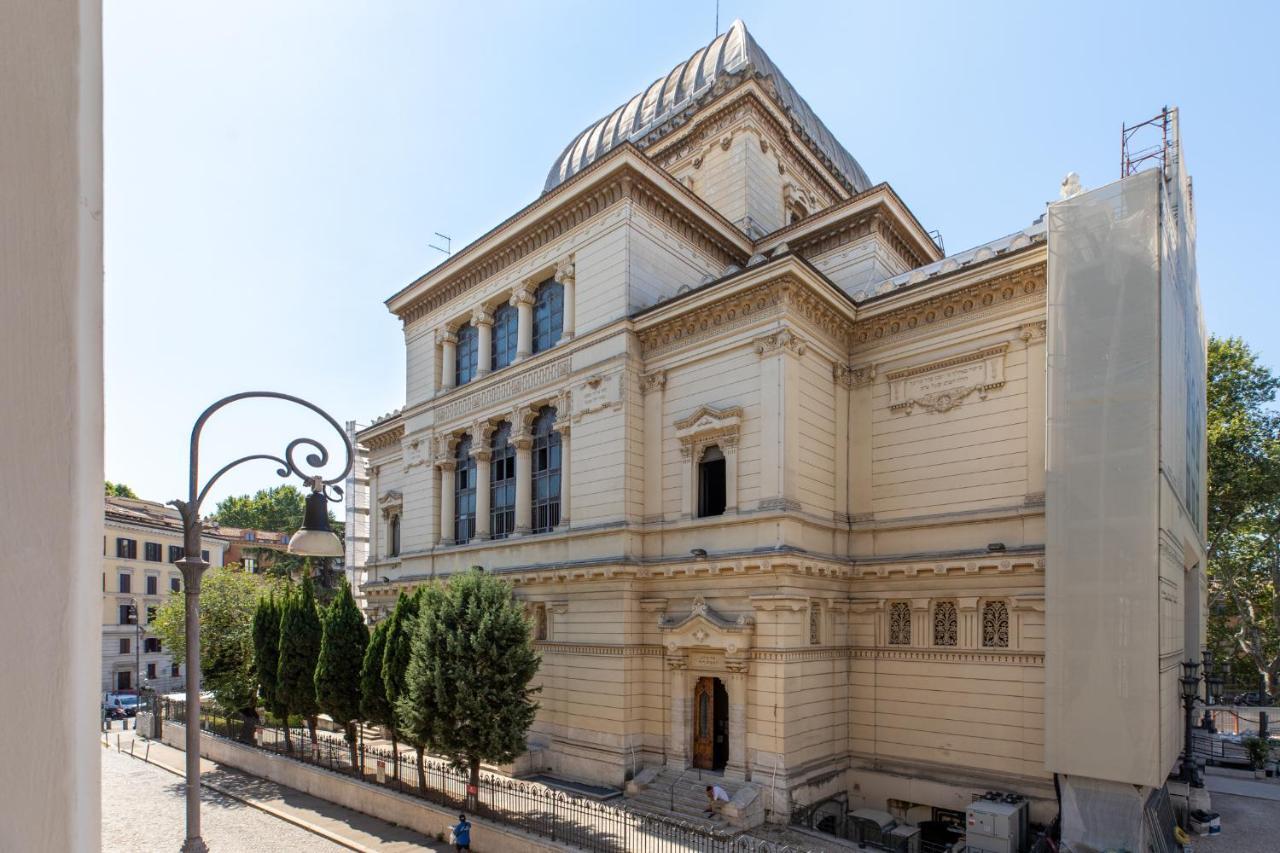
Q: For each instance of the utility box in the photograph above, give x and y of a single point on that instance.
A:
(995, 827)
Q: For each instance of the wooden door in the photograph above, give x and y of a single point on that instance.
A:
(704, 723)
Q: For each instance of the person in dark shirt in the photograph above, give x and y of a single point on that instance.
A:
(462, 834)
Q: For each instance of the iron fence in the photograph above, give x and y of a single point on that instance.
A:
(528, 806)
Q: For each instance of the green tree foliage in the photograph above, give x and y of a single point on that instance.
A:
(299, 649)
(229, 597)
(374, 706)
(343, 640)
(266, 654)
(467, 693)
(1244, 510)
(280, 509)
(395, 662)
(119, 490)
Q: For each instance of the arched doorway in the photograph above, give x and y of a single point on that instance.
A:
(710, 724)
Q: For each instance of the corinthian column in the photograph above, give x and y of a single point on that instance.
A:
(522, 441)
(522, 299)
(483, 321)
(448, 359)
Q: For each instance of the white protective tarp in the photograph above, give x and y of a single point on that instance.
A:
(1102, 685)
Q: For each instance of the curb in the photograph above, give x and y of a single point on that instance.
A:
(276, 813)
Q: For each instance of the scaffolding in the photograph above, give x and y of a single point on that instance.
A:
(1148, 143)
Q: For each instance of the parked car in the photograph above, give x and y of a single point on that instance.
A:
(1255, 698)
(125, 702)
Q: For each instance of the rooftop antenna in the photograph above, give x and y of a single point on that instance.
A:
(717, 17)
(448, 244)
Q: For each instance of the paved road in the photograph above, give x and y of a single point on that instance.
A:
(143, 808)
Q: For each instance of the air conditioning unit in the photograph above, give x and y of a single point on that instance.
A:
(996, 826)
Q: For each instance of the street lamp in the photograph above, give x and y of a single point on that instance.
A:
(1206, 722)
(315, 539)
(1190, 682)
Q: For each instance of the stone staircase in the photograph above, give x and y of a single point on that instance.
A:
(681, 794)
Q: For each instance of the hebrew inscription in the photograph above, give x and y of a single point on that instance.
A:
(942, 385)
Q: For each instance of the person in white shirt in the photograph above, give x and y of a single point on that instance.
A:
(716, 798)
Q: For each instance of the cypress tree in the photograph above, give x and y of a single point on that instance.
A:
(374, 707)
(466, 692)
(266, 652)
(343, 640)
(395, 661)
(299, 648)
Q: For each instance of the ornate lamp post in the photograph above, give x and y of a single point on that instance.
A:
(1206, 721)
(1190, 682)
(315, 539)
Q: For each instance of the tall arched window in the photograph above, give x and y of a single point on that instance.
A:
(464, 493)
(393, 536)
(502, 484)
(711, 487)
(548, 315)
(468, 354)
(546, 472)
(505, 332)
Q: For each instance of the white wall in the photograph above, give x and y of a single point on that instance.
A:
(51, 432)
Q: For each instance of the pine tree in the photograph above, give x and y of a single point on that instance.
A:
(343, 640)
(395, 661)
(266, 652)
(299, 648)
(466, 692)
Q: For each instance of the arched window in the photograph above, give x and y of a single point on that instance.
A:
(502, 484)
(546, 471)
(505, 332)
(711, 488)
(995, 625)
(945, 625)
(393, 536)
(548, 315)
(899, 624)
(464, 493)
(468, 354)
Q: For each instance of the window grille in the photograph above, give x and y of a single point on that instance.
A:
(995, 625)
(900, 623)
(506, 325)
(945, 624)
(464, 493)
(815, 623)
(546, 472)
(502, 483)
(548, 315)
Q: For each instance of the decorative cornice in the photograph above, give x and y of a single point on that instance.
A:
(784, 340)
(384, 439)
(1009, 289)
(552, 648)
(920, 568)
(941, 655)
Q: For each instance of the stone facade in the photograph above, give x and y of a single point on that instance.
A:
(801, 500)
(140, 542)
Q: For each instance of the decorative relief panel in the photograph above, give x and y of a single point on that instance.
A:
(995, 625)
(942, 385)
(503, 391)
(596, 393)
(900, 623)
(945, 624)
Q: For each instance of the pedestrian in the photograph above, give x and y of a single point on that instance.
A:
(716, 797)
(462, 834)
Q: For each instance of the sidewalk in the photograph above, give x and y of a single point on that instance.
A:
(340, 825)
(1240, 783)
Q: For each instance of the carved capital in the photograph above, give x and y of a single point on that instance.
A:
(481, 432)
(1032, 332)
(448, 336)
(566, 271)
(522, 295)
(783, 340)
(481, 317)
(853, 376)
(654, 381)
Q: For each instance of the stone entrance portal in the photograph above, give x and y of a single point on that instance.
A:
(709, 658)
(710, 724)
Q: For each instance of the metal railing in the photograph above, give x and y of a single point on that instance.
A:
(528, 806)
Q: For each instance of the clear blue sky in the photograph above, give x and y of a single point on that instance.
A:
(274, 171)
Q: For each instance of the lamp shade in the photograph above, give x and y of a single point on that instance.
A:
(316, 538)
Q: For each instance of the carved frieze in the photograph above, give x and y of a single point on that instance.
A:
(942, 385)
(499, 392)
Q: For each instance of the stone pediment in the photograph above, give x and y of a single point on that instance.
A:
(709, 421)
(705, 628)
(390, 501)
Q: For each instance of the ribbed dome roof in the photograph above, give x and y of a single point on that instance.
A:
(728, 55)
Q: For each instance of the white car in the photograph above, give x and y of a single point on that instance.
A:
(124, 702)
